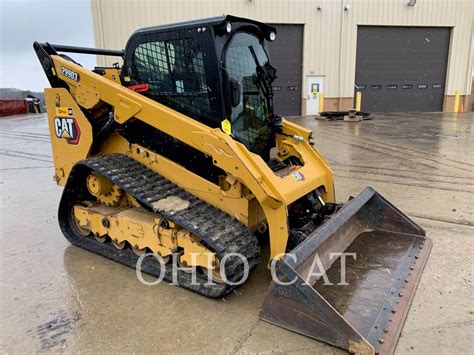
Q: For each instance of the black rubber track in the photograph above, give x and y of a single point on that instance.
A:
(216, 229)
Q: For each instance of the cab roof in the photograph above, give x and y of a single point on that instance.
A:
(210, 21)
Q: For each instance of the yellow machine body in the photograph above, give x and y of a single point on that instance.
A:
(251, 192)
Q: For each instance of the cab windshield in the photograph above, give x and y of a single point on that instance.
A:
(244, 56)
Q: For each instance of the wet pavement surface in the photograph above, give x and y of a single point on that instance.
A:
(58, 297)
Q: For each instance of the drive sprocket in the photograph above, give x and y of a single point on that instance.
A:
(104, 190)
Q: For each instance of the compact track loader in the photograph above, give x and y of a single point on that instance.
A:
(179, 152)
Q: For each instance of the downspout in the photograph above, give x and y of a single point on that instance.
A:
(469, 76)
(341, 37)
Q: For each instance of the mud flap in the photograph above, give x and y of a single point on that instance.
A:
(364, 310)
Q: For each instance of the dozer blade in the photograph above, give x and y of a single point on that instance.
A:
(366, 314)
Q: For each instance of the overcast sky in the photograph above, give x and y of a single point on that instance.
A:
(24, 21)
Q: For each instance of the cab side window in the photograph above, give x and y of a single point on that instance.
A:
(174, 69)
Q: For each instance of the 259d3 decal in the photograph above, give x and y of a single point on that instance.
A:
(68, 73)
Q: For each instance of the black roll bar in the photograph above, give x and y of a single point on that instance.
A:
(84, 50)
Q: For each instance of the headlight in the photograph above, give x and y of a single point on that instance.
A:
(272, 36)
(228, 27)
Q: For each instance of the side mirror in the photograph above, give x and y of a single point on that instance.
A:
(234, 92)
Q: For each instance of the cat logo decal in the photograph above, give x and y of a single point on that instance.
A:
(68, 129)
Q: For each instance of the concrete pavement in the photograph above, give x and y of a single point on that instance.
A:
(58, 297)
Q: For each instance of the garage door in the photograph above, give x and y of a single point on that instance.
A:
(286, 53)
(401, 68)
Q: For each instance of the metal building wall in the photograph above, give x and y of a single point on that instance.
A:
(330, 36)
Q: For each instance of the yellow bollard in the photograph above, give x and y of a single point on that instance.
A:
(321, 102)
(456, 102)
(358, 101)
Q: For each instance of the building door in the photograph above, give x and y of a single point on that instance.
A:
(286, 54)
(401, 68)
(314, 87)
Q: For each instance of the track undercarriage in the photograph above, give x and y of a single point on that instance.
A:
(118, 208)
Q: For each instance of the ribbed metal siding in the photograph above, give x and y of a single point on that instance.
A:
(402, 68)
(330, 36)
(287, 87)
